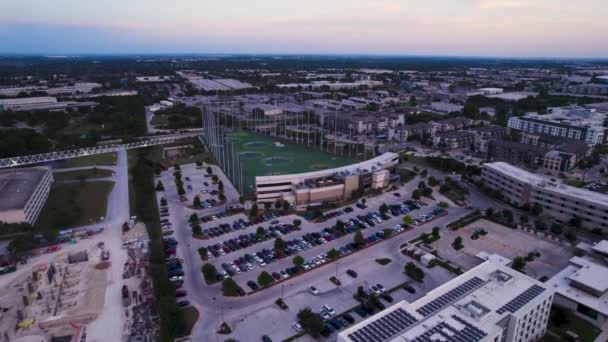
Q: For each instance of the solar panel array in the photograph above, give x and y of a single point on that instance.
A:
(522, 299)
(450, 334)
(448, 297)
(384, 328)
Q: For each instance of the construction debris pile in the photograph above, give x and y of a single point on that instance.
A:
(142, 321)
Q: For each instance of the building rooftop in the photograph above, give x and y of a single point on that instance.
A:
(587, 273)
(601, 247)
(548, 183)
(467, 308)
(572, 115)
(17, 185)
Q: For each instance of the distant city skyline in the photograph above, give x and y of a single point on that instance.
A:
(493, 28)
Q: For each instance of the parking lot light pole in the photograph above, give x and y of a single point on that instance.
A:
(337, 264)
(282, 290)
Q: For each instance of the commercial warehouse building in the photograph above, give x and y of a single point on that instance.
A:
(489, 303)
(559, 201)
(23, 193)
(327, 185)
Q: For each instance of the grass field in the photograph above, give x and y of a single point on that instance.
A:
(106, 159)
(81, 174)
(75, 204)
(260, 156)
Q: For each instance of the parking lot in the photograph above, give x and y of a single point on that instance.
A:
(232, 241)
(506, 242)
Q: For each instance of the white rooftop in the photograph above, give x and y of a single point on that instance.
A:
(548, 183)
(587, 273)
(601, 247)
(484, 292)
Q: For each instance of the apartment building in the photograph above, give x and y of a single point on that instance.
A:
(489, 303)
(559, 201)
(23, 193)
(574, 123)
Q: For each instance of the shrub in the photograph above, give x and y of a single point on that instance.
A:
(209, 273)
(414, 272)
(265, 279)
(383, 261)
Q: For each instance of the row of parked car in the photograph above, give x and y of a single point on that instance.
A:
(250, 239)
(430, 216)
(226, 228)
(335, 213)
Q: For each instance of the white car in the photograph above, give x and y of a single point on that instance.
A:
(328, 309)
(296, 326)
(324, 314)
(313, 290)
(375, 290)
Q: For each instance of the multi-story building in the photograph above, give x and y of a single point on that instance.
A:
(327, 185)
(454, 140)
(581, 286)
(559, 201)
(489, 303)
(18, 103)
(23, 193)
(575, 123)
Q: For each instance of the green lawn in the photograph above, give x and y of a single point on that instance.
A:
(75, 204)
(82, 174)
(106, 159)
(260, 156)
(586, 331)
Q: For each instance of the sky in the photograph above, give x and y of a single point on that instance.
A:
(501, 28)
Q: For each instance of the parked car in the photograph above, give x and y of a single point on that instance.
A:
(313, 290)
(296, 326)
(183, 303)
(351, 273)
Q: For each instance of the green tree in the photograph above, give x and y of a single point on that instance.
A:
(387, 233)
(412, 101)
(215, 178)
(220, 186)
(570, 235)
(421, 185)
(209, 273)
(193, 219)
(163, 202)
(518, 264)
(311, 322)
(556, 228)
(298, 261)
(267, 206)
(279, 245)
(537, 209)
(433, 181)
(408, 220)
(160, 186)
(260, 232)
(286, 205)
(203, 253)
(196, 202)
(230, 287)
(540, 224)
(297, 222)
(332, 254)
(181, 191)
(265, 279)
(254, 210)
(507, 215)
(384, 208)
(414, 272)
(435, 232)
(457, 244)
(340, 226)
(359, 239)
(416, 194)
(197, 230)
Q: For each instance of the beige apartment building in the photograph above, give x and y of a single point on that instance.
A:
(559, 201)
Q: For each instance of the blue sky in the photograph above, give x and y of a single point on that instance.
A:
(519, 28)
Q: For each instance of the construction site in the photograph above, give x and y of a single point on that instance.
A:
(58, 300)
